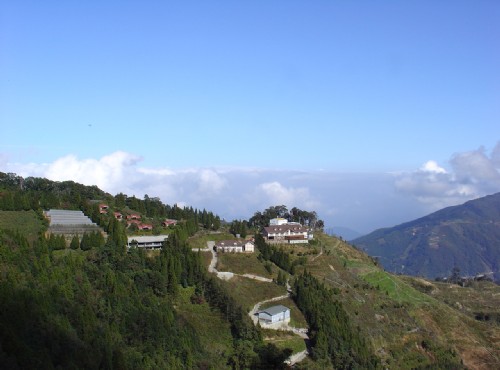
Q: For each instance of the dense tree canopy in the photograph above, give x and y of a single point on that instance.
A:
(261, 219)
(277, 255)
(97, 304)
(332, 336)
(238, 227)
(104, 308)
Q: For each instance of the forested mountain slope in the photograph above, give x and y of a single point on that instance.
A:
(100, 305)
(466, 236)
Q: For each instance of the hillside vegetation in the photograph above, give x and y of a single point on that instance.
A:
(406, 322)
(465, 236)
(93, 304)
(98, 305)
(28, 222)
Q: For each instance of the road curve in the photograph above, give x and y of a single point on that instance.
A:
(302, 332)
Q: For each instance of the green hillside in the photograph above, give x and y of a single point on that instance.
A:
(407, 322)
(465, 236)
(99, 306)
(29, 223)
(400, 319)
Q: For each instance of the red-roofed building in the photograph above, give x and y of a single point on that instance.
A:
(169, 222)
(136, 222)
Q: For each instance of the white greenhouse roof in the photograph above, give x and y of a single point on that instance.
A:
(65, 217)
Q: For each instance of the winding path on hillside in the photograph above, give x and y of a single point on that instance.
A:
(213, 262)
(319, 254)
(297, 357)
(226, 275)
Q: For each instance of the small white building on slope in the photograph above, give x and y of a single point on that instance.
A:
(274, 314)
(236, 246)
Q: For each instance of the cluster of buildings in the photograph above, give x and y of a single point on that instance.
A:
(140, 241)
(279, 231)
(135, 219)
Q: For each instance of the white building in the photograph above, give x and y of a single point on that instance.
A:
(274, 314)
(289, 233)
(146, 242)
(237, 246)
(278, 221)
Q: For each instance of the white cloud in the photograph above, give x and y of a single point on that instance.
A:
(473, 174)
(109, 172)
(156, 172)
(210, 182)
(475, 167)
(495, 156)
(360, 201)
(118, 172)
(433, 167)
(277, 194)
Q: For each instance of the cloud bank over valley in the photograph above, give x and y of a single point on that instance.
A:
(472, 174)
(360, 201)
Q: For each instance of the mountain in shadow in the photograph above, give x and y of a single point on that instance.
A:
(466, 236)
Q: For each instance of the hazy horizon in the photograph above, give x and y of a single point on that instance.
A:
(362, 202)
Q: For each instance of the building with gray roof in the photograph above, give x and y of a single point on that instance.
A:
(274, 314)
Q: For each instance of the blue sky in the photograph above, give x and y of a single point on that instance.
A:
(332, 89)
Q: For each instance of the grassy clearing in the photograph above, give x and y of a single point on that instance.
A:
(476, 342)
(26, 222)
(395, 288)
(357, 264)
(300, 249)
(214, 333)
(206, 258)
(248, 291)
(480, 300)
(340, 248)
(242, 263)
(283, 339)
(200, 240)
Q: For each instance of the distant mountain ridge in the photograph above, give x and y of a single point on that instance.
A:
(343, 232)
(466, 236)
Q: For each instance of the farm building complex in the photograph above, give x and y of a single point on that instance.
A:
(70, 222)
